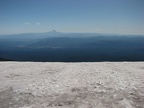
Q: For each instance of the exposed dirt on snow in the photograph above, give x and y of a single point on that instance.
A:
(72, 85)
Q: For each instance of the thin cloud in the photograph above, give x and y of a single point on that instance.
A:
(26, 23)
(37, 23)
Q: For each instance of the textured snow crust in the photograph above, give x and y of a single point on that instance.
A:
(72, 85)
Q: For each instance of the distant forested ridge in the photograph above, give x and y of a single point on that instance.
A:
(3, 59)
(72, 47)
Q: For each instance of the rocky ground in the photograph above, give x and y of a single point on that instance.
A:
(72, 85)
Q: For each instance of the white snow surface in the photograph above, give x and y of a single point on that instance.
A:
(72, 85)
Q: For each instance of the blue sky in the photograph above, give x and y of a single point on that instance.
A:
(96, 16)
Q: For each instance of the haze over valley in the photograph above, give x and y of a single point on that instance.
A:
(72, 47)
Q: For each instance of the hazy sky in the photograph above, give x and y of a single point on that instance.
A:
(97, 16)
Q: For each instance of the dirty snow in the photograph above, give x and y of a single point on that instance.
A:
(72, 85)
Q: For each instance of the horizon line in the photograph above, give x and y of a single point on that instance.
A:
(55, 31)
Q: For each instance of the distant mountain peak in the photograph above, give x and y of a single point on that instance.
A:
(53, 31)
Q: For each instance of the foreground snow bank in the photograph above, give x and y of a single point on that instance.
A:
(72, 85)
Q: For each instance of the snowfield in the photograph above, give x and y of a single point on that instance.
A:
(72, 85)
